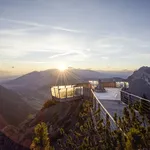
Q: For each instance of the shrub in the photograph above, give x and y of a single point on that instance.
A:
(49, 103)
(41, 140)
(90, 134)
(132, 137)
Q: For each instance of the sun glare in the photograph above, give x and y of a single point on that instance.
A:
(62, 68)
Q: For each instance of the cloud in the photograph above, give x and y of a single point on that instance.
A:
(66, 29)
(115, 46)
(145, 46)
(44, 44)
(35, 62)
(17, 31)
(53, 45)
(34, 24)
(72, 53)
(23, 22)
(105, 57)
(62, 54)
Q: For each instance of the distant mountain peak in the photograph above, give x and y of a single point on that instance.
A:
(139, 82)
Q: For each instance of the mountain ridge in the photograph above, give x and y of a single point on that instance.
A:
(13, 108)
(34, 87)
(139, 82)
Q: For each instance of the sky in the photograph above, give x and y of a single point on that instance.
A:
(96, 34)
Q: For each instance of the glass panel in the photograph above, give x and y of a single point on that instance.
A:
(66, 91)
(70, 92)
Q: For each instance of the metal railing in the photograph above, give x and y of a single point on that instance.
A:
(103, 113)
(131, 99)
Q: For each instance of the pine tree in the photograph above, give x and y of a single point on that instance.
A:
(41, 140)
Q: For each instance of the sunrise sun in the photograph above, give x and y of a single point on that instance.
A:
(62, 68)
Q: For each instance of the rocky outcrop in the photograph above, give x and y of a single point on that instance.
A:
(139, 82)
(2, 122)
(8, 144)
(62, 115)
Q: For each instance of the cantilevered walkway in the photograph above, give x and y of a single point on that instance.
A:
(114, 100)
(111, 100)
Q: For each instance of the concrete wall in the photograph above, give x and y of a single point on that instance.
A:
(109, 84)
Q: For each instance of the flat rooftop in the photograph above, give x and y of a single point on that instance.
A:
(111, 100)
(110, 94)
(113, 106)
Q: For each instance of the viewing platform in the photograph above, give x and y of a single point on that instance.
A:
(65, 93)
(111, 100)
(110, 97)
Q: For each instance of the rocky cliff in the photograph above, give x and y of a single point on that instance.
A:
(139, 82)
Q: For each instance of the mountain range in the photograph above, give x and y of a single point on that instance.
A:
(34, 87)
